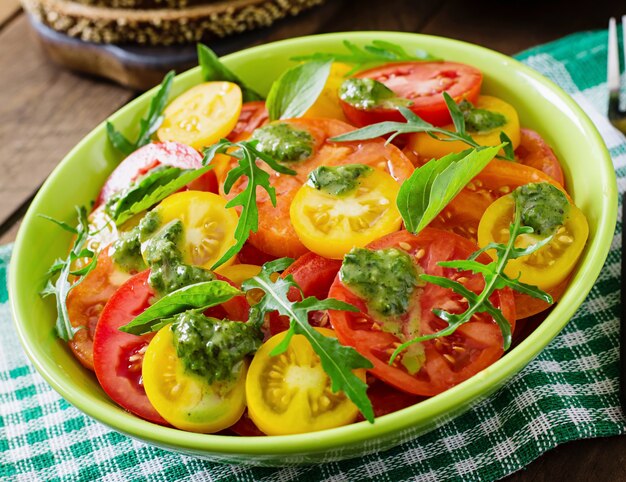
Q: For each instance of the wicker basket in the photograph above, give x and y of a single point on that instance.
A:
(147, 22)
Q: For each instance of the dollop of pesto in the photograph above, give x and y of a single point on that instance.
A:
(156, 245)
(284, 142)
(480, 120)
(369, 93)
(338, 180)
(126, 250)
(214, 349)
(384, 278)
(168, 272)
(544, 207)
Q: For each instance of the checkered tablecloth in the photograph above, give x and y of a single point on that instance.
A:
(569, 392)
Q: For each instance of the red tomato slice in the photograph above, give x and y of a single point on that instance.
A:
(118, 356)
(153, 155)
(463, 213)
(86, 301)
(276, 235)
(246, 427)
(535, 152)
(449, 360)
(253, 114)
(314, 274)
(387, 399)
(250, 255)
(423, 83)
(526, 305)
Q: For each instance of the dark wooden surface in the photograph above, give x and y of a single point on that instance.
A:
(44, 111)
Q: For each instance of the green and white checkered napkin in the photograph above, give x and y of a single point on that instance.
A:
(569, 392)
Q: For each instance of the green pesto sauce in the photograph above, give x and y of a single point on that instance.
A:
(368, 94)
(126, 252)
(157, 246)
(385, 279)
(338, 180)
(544, 207)
(214, 349)
(283, 142)
(480, 120)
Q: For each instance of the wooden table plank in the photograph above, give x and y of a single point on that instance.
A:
(8, 8)
(44, 112)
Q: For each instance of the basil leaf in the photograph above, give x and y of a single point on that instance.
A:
(297, 89)
(214, 69)
(148, 125)
(150, 190)
(431, 187)
(199, 296)
(337, 360)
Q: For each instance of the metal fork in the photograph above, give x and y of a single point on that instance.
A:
(616, 115)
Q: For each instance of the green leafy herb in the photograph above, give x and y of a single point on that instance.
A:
(509, 153)
(416, 124)
(214, 69)
(337, 360)
(198, 296)
(297, 89)
(493, 274)
(378, 52)
(247, 154)
(147, 125)
(61, 288)
(150, 190)
(432, 186)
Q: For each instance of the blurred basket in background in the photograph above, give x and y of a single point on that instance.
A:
(134, 42)
(159, 22)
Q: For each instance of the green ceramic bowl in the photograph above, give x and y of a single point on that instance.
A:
(541, 105)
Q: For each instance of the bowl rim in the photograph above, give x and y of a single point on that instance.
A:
(430, 409)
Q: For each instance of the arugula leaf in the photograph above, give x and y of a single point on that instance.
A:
(199, 296)
(247, 154)
(431, 187)
(297, 89)
(337, 360)
(150, 190)
(214, 69)
(414, 123)
(495, 278)
(379, 52)
(147, 125)
(61, 288)
(509, 153)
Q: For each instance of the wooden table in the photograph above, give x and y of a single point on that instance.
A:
(44, 111)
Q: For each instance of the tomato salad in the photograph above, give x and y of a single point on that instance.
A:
(366, 237)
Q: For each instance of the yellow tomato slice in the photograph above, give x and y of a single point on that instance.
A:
(429, 148)
(546, 267)
(238, 273)
(208, 226)
(202, 115)
(332, 225)
(184, 398)
(327, 104)
(290, 393)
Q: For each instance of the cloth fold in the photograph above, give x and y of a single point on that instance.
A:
(568, 392)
